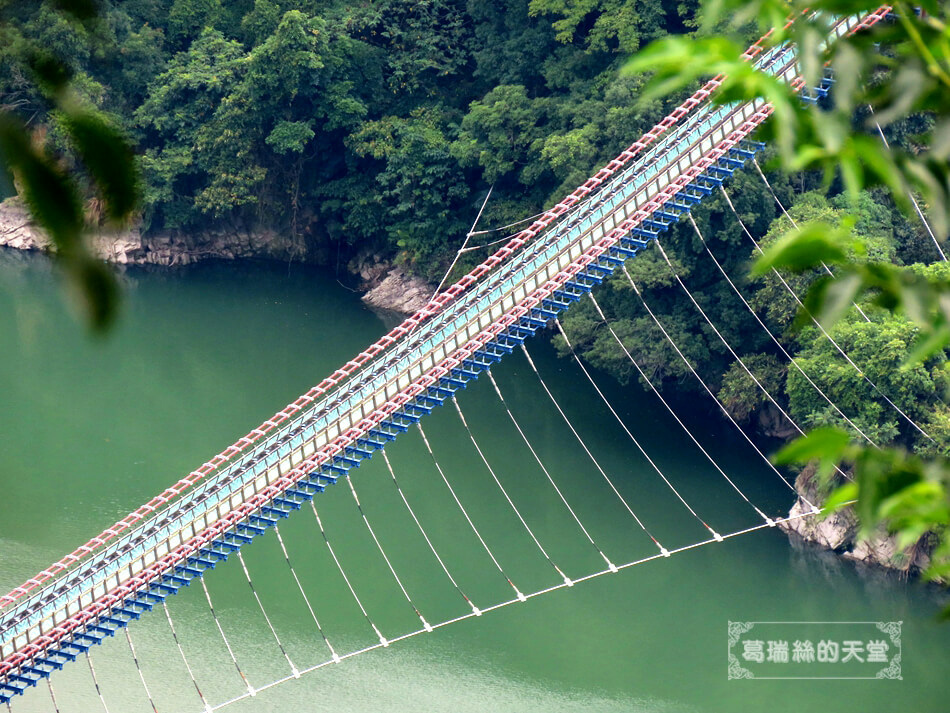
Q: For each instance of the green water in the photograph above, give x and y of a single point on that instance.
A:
(89, 430)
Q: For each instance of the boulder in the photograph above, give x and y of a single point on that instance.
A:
(399, 292)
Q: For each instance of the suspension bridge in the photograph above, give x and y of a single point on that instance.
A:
(281, 467)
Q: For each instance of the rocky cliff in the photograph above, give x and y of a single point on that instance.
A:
(839, 532)
(388, 287)
(130, 247)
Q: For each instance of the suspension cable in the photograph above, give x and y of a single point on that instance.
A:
(425, 536)
(791, 360)
(610, 565)
(468, 519)
(910, 193)
(586, 449)
(488, 245)
(732, 351)
(630, 435)
(135, 659)
(468, 236)
(382, 639)
(795, 225)
(828, 336)
(669, 408)
(95, 681)
(52, 695)
(303, 594)
(506, 603)
(184, 658)
(389, 564)
(709, 391)
(227, 644)
(722, 339)
(504, 492)
(260, 604)
(509, 225)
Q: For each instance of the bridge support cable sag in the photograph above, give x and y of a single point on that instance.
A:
(587, 450)
(389, 467)
(95, 681)
(389, 564)
(227, 644)
(728, 346)
(468, 519)
(184, 658)
(795, 225)
(669, 408)
(537, 458)
(788, 356)
(135, 660)
(910, 193)
(633, 438)
(504, 492)
(824, 332)
(382, 639)
(472, 248)
(506, 603)
(303, 594)
(713, 396)
(260, 605)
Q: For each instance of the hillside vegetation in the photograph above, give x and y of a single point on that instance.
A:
(378, 127)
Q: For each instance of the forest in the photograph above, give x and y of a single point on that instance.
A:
(379, 127)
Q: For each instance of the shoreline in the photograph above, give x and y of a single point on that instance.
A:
(385, 286)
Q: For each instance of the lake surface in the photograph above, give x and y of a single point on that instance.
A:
(90, 429)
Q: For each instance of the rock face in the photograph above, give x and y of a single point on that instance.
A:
(390, 288)
(839, 533)
(130, 247)
(836, 532)
(772, 423)
(16, 230)
(400, 292)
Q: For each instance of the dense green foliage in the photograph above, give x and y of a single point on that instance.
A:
(371, 126)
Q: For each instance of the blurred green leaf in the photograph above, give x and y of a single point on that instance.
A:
(50, 72)
(97, 291)
(826, 445)
(802, 250)
(109, 159)
(52, 198)
(831, 298)
(841, 497)
(931, 344)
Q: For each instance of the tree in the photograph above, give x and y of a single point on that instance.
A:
(175, 117)
(418, 184)
(421, 41)
(498, 132)
(611, 25)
